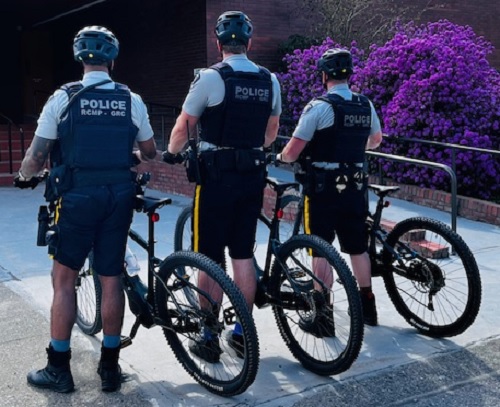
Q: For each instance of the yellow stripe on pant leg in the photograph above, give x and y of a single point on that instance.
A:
(307, 223)
(196, 218)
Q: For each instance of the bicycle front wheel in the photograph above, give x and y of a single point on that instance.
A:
(198, 320)
(88, 299)
(431, 277)
(320, 322)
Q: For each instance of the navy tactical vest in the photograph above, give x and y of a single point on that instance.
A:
(240, 121)
(345, 141)
(96, 134)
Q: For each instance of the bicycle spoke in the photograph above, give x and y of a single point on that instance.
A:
(199, 307)
(438, 290)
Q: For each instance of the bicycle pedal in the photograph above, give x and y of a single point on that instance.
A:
(303, 286)
(125, 341)
(229, 316)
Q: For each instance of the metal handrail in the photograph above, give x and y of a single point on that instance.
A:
(452, 146)
(443, 167)
(166, 111)
(10, 124)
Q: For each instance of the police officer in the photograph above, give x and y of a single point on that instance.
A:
(89, 128)
(237, 104)
(330, 141)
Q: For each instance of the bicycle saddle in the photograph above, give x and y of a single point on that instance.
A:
(281, 186)
(382, 190)
(150, 204)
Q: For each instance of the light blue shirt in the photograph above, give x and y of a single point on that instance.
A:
(208, 89)
(55, 105)
(319, 114)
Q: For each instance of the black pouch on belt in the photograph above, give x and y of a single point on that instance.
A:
(319, 180)
(250, 160)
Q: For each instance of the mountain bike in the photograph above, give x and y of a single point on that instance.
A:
(304, 306)
(172, 300)
(429, 272)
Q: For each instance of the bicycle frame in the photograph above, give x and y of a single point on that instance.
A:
(273, 246)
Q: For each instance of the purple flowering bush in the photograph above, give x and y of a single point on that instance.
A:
(433, 82)
(429, 82)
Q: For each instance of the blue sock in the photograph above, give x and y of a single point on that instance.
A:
(60, 346)
(238, 330)
(111, 341)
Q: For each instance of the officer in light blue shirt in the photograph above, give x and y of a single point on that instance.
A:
(237, 105)
(329, 141)
(89, 128)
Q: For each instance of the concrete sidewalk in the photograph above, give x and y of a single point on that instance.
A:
(396, 366)
(465, 377)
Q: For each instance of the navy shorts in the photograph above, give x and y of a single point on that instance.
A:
(94, 217)
(225, 214)
(330, 213)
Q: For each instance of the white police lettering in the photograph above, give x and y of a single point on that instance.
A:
(245, 93)
(98, 107)
(351, 120)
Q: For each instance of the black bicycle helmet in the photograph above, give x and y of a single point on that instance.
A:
(233, 28)
(337, 63)
(95, 45)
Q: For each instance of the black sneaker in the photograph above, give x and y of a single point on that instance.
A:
(109, 369)
(58, 379)
(56, 375)
(237, 343)
(369, 309)
(111, 377)
(322, 325)
(206, 349)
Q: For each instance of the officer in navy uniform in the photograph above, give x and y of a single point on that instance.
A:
(237, 104)
(329, 142)
(89, 128)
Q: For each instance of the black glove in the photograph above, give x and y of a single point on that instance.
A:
(170, 158)
(21, 182)
(271, 158)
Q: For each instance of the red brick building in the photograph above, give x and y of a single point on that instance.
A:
(162, 41)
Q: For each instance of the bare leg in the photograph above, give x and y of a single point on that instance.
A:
(205, 283)
(112, 305)
(323, 271)
(63, 310)
(245, 279)
(361, 267)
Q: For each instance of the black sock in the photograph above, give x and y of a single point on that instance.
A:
(366, 291)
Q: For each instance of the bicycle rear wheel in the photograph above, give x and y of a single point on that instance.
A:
(431, 277)
(88, 299)
(291, 223)
(304, 321)
(188, 312)
(183, 231)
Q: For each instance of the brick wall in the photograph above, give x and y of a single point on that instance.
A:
(481, 15)
(469, 208)
(273, 22)
(172, 179)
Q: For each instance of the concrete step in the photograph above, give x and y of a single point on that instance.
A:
(6, 180)
(5, 155)
(16, 144)
(416, 240)
(5, 165)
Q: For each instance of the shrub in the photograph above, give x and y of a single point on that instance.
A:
(433, 82)
(429, 82)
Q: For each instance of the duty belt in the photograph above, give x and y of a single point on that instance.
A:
(206, 146)
(334, 166)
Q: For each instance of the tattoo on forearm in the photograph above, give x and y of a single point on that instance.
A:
(36, 155)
